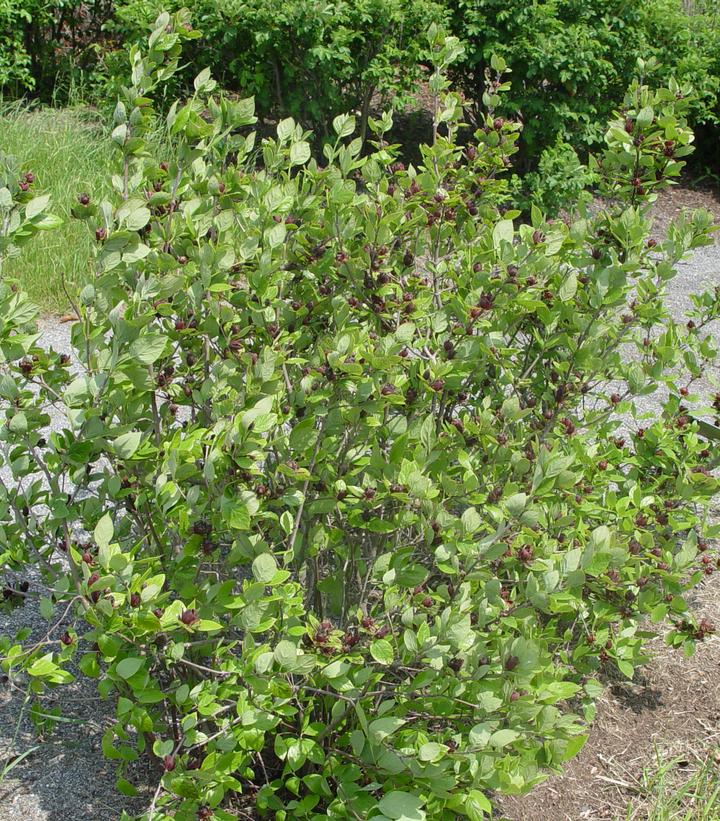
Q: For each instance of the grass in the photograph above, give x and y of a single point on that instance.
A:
(69, 152)
(686, 788)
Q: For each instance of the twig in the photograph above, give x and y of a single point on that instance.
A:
(201, 667)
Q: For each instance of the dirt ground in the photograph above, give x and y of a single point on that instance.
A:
(672, 202)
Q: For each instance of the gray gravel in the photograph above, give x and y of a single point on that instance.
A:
(694, 275)
(66, 777)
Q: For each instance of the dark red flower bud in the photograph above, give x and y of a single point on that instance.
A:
(189, 617)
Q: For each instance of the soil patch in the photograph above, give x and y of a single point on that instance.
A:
(674, 200)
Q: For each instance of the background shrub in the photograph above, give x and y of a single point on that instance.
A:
(572, 61)
(560, 181)
(305, 59)
(15, 61)
(48, 48)
(342, 517)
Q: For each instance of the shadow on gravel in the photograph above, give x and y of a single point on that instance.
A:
(64, 775)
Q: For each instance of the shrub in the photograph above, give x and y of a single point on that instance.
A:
(15, 61)
(305, 59)
(561, 181)
(22, 214)
(687, 46)
(572, 61)
(341, 516)
(45, 46)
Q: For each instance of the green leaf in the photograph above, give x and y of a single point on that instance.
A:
(502, 738)
(36, 206)
(286, 522)
(104, 530)
(203, 82)
(303, 434)
(432, 751)
(645, 117)
(488, 701)
(516, 504)
(568, 289)
(137, 219)
(125, 787)
(504, 231)
(477, 806)
(208, 626)
(382, 651)
(428, 436)
(344, 125)
(128, 667)
(148, 348)
(336, 669)
(286, 654)
(18, 423)
(262, 407)
(625, 668)
(126, 445)
(264, 568)
(381, 728)
(43, 666)
(402, 806)
(497, 63)
(471, 521)
(263, 662)
(573, 747)
(47, 608)
(300, 153)
(89, 665)
(285, 129)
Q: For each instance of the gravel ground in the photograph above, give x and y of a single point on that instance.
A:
(695, 275)
(65, 777)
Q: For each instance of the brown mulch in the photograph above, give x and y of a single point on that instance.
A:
(678, 198)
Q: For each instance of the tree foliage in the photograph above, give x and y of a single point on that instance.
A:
(573, 60)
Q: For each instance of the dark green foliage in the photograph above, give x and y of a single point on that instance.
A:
(573, 59)
(560, 180)
(307, 59)
(47, 46)
(15, 62)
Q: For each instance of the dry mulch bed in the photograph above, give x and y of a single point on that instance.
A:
(673, 201)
